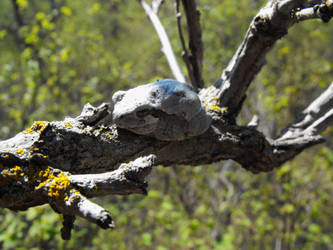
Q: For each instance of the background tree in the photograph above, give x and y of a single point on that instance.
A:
(54, 53)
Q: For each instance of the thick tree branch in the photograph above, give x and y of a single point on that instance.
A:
(166, 45)
(62, 163)
(269, 25)
(34, 181)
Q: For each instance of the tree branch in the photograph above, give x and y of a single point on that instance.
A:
(66, 162)
(156, 4)
(166, 45)
(185, 55)
(315, 118)
(195, 41)
(323, 11)
(17, 14)
(269, 25)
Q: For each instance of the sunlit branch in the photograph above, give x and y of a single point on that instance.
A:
(316, 117)
(269, 25)
(166, 45)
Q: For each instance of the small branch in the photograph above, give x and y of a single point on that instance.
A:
(314, 117)
(17, 14)
(68, 225)
(195, 41)
(317, 108)
(166, 45)
(91, 115)
(304, 131)
(156, 4)
(306, 14)
(185, 55)
(323, 11)
(127, 179)
(322, 123)
(254, 122)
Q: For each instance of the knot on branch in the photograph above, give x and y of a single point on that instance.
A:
(91, 115)
(262, 25)
(325, 10)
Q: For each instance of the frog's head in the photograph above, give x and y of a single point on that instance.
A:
(162, 105)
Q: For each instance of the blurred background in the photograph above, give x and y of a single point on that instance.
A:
(57, 55)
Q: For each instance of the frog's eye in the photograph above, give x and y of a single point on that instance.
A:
(118, 96)
(180, 94)
(155, 93)
(142, 113)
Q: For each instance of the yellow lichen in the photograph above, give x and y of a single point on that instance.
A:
(56, 186)
(215, 107)
(37, 126)
(68, 125)
(224, 109)
(20, 151)
(75, 194)
(5, 172)
(108, 136)
(13, 173)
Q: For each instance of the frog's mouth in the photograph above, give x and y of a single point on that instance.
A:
(144, 121)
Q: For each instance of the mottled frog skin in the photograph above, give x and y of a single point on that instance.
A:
(165, 109)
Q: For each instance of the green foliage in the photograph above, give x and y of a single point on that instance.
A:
(82, 51)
